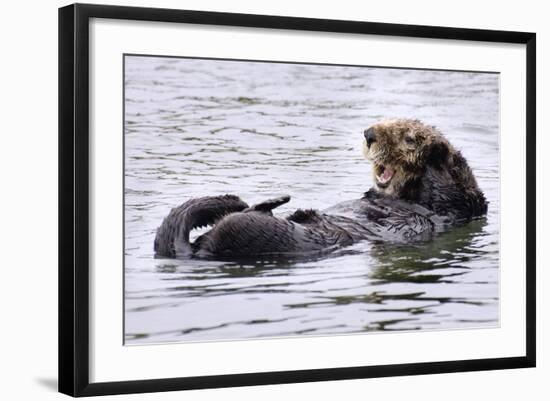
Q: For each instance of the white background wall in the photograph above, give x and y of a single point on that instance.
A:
(28, 202)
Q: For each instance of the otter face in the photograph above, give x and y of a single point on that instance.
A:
(400, 151)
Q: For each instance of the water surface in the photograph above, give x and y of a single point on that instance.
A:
(258, 130)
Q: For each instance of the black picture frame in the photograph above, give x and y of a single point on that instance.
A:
(74, 198)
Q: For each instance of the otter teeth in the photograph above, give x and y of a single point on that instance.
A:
(386, 176)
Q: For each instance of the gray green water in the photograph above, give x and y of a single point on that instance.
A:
(259, 130)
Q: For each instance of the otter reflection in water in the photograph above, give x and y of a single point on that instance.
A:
(422, 186)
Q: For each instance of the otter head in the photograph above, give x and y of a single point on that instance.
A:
(413, 161)
(401, 150)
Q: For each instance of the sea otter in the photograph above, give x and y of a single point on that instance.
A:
(422, 185)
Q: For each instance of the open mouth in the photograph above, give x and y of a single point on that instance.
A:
(383, 175)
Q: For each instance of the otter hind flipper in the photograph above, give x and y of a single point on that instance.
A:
(268, 205)
(172, 237)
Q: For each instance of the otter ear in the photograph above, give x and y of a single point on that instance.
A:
(437, 154)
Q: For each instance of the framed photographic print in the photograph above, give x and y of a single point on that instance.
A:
(250, 199)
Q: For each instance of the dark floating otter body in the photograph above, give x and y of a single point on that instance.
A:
(240, 230)
(419, 190)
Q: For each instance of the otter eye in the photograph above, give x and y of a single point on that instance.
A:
(409, 140)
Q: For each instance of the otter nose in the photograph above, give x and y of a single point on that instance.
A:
(370, 136)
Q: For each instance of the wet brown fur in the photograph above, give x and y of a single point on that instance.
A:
(428, 169)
